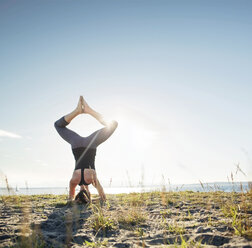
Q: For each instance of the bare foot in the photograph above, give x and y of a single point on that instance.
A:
(80, 106)
(86, 107)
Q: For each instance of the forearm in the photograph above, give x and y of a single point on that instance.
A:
(100, 190)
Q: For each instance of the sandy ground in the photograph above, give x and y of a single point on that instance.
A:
(184, 219)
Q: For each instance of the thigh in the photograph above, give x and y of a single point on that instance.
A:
(76, 177)
(91, 140)
(69, 136)
(99, 136)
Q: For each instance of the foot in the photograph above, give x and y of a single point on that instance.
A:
(80, 107)
(86, 107)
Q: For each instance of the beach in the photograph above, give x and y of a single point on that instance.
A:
(154, 219)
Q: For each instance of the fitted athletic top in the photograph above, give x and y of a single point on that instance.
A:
(84, 148)
(84, 158)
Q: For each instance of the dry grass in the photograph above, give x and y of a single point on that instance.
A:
(130, 212)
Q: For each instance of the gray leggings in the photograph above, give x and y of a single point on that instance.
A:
(92, 141)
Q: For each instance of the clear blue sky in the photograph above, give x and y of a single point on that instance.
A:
(175, 74)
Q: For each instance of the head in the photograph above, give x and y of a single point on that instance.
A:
(83, 197)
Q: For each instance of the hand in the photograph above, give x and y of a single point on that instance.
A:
(70, 202)
(103, 196)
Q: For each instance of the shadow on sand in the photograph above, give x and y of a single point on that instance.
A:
(63, 227)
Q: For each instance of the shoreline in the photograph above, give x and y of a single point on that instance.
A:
(204, 187)
(155, 219)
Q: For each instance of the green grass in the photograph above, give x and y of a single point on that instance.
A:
(36, 201)
(174, 228)
(131, 211)
(237, 214)
(96, 244)
(131, 217)
(99, 221)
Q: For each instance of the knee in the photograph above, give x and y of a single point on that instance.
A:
(115, 124)
(56, 124)
(60, 123)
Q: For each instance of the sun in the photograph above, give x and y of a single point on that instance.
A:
(134, 131)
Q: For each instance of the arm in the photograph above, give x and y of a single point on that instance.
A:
(99, 188)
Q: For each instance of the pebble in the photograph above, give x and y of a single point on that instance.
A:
(200, 229)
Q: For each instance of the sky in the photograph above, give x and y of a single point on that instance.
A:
(176, 75)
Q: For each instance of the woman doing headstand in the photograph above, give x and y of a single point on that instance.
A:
(84, 148)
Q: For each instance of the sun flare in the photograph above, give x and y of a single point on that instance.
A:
(135, 131)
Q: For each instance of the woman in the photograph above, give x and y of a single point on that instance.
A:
(84, 148)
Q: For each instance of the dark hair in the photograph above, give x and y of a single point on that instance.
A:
(83, 197)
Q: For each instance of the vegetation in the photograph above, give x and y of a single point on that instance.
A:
(131, 217)
(99, 221)
(173, 213)
(96, 244)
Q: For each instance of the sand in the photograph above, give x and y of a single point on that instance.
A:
(157, 219)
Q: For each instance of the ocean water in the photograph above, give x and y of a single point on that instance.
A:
(206, 187)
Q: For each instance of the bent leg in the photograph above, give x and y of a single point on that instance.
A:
(60, 125)
(68, 135)
(101, 135)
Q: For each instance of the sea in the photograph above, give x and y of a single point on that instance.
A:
(202, 187)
